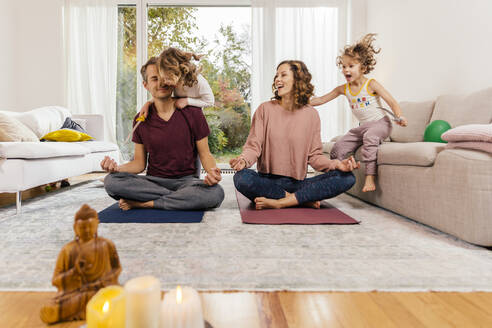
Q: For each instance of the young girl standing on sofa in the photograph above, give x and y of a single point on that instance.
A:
(364, 97)
(175, 68)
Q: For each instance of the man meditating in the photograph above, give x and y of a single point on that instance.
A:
(171, 138)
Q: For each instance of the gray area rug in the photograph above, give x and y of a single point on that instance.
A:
(386, 252)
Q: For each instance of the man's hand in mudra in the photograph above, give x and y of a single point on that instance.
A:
(213, 176)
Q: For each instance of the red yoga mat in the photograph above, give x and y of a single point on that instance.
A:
(327, 214)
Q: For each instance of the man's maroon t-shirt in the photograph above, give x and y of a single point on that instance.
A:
(171, 145)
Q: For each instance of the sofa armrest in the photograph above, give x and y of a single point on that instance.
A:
(94, 125)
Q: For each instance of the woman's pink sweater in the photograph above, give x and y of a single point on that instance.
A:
(285, 142)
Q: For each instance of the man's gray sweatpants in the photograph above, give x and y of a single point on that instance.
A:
(186, 193)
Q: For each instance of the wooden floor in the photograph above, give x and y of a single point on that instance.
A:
(306, 310)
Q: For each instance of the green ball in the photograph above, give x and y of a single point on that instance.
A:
(434, 131)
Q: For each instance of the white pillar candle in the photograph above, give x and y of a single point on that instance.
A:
(143, 298)
(182, 308)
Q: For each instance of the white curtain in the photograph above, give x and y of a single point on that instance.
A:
(310, 31)
(90, 34)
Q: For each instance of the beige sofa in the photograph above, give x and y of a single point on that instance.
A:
(447, 189)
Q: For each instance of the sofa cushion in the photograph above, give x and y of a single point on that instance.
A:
(418, 115)
(476, 145)
(475, 108)
(67, 135)
(469, 132)
(413, 153)
(42, 120)
(30, 150)
(98, 146)
(12, 130)
(401, 153)
(327, 146)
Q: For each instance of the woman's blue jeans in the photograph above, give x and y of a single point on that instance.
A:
(327, 185)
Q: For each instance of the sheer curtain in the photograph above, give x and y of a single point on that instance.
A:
(90, 34)
(311, 31)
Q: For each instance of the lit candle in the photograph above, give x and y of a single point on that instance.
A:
(182, 308)
(106, 309)
(143, 297)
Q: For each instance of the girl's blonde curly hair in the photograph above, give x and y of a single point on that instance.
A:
(363, 51)
(174, 64)
(303, 90)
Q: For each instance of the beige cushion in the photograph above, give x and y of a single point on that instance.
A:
(12, 130)
(413, 153)
(418, 115)
(457, 110)
(476, 145)
(469, 132)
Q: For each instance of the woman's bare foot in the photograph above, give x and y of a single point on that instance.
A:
(262, 202)
(315, 205)
(126, 204)
(370, 184)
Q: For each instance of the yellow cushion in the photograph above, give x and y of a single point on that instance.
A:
(67, 135)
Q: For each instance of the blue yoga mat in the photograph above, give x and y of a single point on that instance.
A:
(113, 214)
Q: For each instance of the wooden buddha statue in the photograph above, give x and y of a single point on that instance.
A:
(84, 265)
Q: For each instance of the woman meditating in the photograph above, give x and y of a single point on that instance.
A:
(285, 138)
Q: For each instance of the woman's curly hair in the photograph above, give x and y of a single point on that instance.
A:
(363, 51)
(176, 64)
(303, 90)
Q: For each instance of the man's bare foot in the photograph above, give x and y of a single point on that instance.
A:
(315, 205)
(126, 204)
(370, 183)
(262, 202)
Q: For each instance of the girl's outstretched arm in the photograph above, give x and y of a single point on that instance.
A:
(376, 88)
(316, 101)
(145, 108)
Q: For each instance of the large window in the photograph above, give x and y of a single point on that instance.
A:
(222, 34)
(242, 45)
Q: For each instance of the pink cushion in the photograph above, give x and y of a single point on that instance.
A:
(476, 145)
(470, 132)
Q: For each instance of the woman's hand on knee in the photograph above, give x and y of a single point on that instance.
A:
(348, 164)
(237, 163)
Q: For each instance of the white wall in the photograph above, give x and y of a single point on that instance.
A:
(428, 48)
(32, 67)
(432, 47)
(7, 55)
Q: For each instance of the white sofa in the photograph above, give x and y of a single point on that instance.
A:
(24, 165)
(445, 188)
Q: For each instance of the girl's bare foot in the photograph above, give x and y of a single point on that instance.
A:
(370, 183)
(262, 202)
(126, 204)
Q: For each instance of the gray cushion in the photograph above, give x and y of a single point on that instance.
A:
(413, 153)
(418, 115)
(457, 110)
